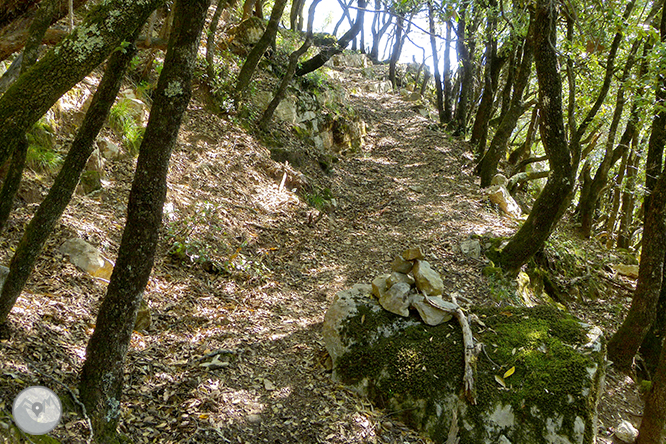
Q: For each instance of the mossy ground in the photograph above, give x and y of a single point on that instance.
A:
(426, 363)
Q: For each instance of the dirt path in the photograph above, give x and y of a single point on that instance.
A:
(238, 357)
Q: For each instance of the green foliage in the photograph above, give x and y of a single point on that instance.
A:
(320, 199)
(41, 153)
(124, 120)
(196, 235)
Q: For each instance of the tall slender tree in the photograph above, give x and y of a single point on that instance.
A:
(102, 374)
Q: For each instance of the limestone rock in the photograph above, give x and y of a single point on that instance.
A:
(110, 150)
(396, 277)
(248, 32)
(499, 179)
(412, 254)
(87, 258)
(427, 279)
(430, 314)
(627, 270)
(378, 87)
(345, 307)
(351, 60)
(415, 372)
(4, 271)
(626, 432)
(380, 285)
(471, 248)
(397, 299)
(498, 194)
(401, 265)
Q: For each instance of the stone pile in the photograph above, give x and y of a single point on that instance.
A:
(413, 284)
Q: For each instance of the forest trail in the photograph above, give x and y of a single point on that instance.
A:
(238, 357)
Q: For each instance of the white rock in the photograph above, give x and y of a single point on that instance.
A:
(380, 285)
(396, 299)
(471, 248)
(625, 431)
(396, 277)
(429, 314)
(498, 194)
(627, 270)
(427, 279)
(343, 307)
(499, 179)
(87, 258)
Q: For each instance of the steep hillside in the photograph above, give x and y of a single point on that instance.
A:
(252, 252)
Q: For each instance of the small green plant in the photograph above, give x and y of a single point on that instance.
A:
(41, 153)
(319, 198)
(123, 119)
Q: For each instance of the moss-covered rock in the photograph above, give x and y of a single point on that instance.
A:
(538, 379)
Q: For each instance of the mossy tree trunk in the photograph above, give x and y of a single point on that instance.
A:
(12, 182)
(250, 65)
(102, 374)
(63, 187)
(326, 53)
(14, 24)
(291, 69)
(493, 66)
(548, 206)
(67, 64)
(563, 157)
(591, 191)
(653, 426)
(498, 146)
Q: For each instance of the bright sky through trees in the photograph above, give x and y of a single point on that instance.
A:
(329, 12)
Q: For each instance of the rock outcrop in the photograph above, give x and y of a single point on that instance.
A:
(87, 258)
(537, 380)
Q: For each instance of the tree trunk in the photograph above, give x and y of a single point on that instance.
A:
(465, 48)
(325, 54)
(210, 40)
(622, 347)
(498, 146)
(102, 374)
(448, 87)
(435, 61)
(615, 203)
(653, 426)
(63, 187)
(291, 69)
(588, 201)
(549, 206)
(296, 15)
(345, 15)
(12, 182)
(493, 66)
(250, 65)
(14, 27)
(397, 49)
(627, 211)
(378, 30)
(67, 64)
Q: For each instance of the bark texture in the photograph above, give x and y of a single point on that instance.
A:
(250, 65)
(14, 24)
(102, 374)
(326, 53)
(50, 210)
(555, 195)
(67, 64)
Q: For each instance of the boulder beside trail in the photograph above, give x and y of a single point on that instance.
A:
(538, 379)
(87, 258)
